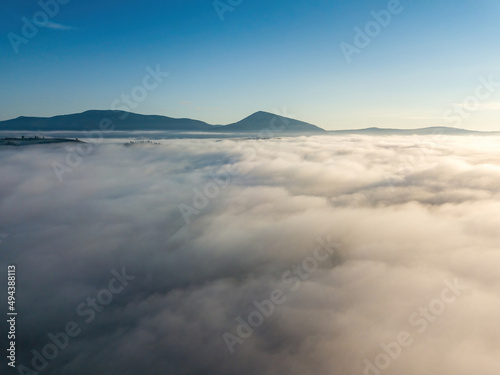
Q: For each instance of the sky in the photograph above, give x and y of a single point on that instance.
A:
(434, 63)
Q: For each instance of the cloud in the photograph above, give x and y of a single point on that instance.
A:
(58, 26)
(410, 117)
(402, 236)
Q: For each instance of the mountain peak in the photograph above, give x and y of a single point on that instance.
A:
(261, 121)
(128, 121)
(260, 114)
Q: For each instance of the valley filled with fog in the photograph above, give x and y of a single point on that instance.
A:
(300, 255)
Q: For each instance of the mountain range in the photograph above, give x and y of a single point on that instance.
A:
(259, 122)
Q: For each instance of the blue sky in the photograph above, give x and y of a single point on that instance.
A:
(422, 69)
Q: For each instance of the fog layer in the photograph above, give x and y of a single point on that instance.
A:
(366, 255)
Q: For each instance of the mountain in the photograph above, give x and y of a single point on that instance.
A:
(262, 123)
(268, 123)
(90, 120)
(126, 121)
(422, 131)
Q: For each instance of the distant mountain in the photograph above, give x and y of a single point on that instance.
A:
(127, 121)
(422, 131)
(90, 120)
(264, 121)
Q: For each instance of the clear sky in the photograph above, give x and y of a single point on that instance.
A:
(433, 58)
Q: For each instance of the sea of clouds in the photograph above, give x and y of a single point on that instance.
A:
(395, 239)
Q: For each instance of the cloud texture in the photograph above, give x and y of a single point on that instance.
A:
(411, 215)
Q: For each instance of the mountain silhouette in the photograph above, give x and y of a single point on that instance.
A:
(262, 123)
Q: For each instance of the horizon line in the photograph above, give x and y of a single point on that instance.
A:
(259, 111)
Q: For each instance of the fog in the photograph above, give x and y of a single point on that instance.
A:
(396, 240)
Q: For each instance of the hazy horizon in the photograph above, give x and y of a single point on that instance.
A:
(264, 126)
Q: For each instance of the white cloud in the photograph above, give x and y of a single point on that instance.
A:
(58, 26)
(401, 236)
